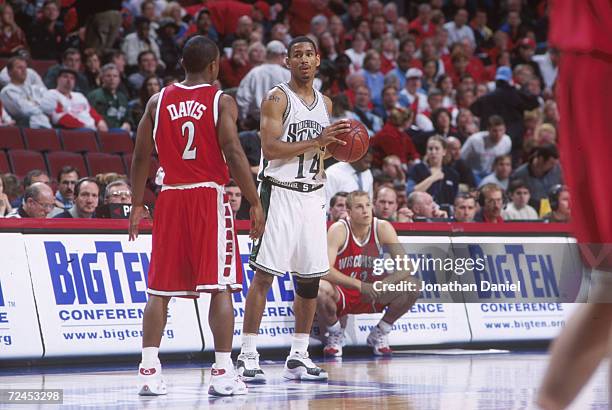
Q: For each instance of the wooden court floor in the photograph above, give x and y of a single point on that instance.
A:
(496, 381)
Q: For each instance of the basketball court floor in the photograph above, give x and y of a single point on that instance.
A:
(406, 381)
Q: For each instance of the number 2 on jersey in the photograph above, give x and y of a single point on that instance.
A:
(190, 150)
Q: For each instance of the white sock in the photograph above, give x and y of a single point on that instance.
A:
(335, 328)
(299, 343)
(223, 360)
(384, 327)
(249, 343)
(149, 356)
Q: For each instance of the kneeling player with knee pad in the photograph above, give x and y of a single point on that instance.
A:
(353, 244)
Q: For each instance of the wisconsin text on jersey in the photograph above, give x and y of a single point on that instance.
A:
(186, 109)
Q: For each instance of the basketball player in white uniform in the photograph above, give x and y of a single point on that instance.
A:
(295, 129)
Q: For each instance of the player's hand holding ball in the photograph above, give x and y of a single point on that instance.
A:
(330, 133)
(356, 142)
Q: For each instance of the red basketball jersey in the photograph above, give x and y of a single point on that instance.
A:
(357, 259)
(185, 135)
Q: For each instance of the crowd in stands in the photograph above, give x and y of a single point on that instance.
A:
(458, 96)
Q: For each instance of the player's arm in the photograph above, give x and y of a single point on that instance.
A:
(237, 162)
(140, 164)
(329, 106)
(272, 110)
(388, 238)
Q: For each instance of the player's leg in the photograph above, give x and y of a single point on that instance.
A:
(224, 381)
(153, 324)
(248, 360)
(577, 351)
(400, 303)
(327, 310)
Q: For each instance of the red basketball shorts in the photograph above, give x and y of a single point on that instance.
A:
(195, 248)
(350, 303)
(584, 88)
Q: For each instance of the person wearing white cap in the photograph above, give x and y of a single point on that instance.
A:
(260, 79)
(412, 95)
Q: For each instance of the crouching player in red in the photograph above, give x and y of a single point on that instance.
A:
(192, 125)
(352, 246)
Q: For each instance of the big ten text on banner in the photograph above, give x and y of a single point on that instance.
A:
(91, 293)
(547, 272)
(19, 328)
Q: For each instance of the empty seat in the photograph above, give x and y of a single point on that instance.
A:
(4, 164)
(116, 142)
(23, 161)
(79, 141)
(59, 159)
(10, 138)
(101, 163)
(39, 139)
(154, 165)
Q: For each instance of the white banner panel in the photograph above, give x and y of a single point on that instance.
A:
(91, 294)
(19, 329)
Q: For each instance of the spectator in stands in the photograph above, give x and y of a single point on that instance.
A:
(5, 204)
(5, 117)
(466, 125)
(518, 208)
(92, 68)
(33, 176)
(32, 77)
(344, 176)
(432, 176)
(559, 199)
(540, 173)
(491, 199)
(392, 167)
(111, 103)
(502, 168)
(47, 35)
(453, 160)
(524, 55)
(256, 84)
(118, 192)
(169, 50)
(139, 41)
(393, 139)
(459, 30)
(549, 67)
(481, 149)
(37, 202)
(147, 65)
(234, 197)
(337, 206)
(13, 38)
(357, 51)
(118, 58)
(12, 187)
(257, 54)
(374, 78)
(385, 204)
(412, 96)
(204, 26)
(70, 109)
(244, 29)
(70, 59)
(86, 194)
(423, 207)
(233, 69)
(102, 22)
(507, 102)
(441, 120)
(175, 12)
(150, 86)
(390, 100)
(465, 208)
(22, 100)
(67, 179)
(363, 111)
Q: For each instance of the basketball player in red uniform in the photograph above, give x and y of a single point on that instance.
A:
(352, 246)
(192, 125)
(582, 31)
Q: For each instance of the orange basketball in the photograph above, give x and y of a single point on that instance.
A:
(357, 141)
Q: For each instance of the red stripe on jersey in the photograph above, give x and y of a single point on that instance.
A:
(186, 136)
(356, 260)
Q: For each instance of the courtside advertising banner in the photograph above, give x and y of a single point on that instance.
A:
(19, 329)
(545, 273)
(91, 295)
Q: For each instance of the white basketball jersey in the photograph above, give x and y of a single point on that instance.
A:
(300, 122)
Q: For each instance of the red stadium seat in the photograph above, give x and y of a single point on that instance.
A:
(116, 142)
(23, 161)
(39, 139)
(59, 159)
(42, 66)
(100, 163)
(10, 138)
(154, 165)
(4, 164)
(79, 141)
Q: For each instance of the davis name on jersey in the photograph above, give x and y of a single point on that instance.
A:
(186, 109)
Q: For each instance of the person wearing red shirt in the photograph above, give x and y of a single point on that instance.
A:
(422, 24)
(233, 69)
(301, 13)
(393, 139)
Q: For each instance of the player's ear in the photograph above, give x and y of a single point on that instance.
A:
(318, 60)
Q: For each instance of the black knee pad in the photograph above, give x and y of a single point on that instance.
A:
(307, 288)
